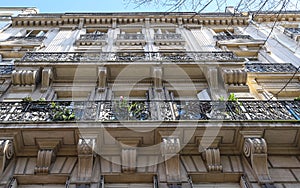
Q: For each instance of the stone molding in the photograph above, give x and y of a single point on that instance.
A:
(6, 153)
(255, 150)
(85, 149)
(46, 154)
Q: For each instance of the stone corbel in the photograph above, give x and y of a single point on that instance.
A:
(255, 151)
(235, 76)
(170, 146)
(48, 149)
(85, 149)
(157, 74)
(102, 76)
(24, 77)
(208, 146)
(6, 153)
(47, 76)
(129, 154)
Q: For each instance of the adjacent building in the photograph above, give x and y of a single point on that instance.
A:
(150, 99)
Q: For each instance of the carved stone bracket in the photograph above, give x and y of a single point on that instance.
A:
(213, 159)
(208, 146)
(102, 77)
(85, 149)
(129, 154)
(157, 77)
(235, 76)
(255, 150)
(24, 77)
(47, 76)
(46, 155)
(170, 146)
(6, 153)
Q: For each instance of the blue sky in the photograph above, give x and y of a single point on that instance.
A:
(61, 6)
(76, 5)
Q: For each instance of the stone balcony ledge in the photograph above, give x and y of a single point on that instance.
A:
(164, 111)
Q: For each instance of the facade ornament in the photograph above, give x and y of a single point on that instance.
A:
(208, 146)
(157, 76)
(47, 76)
(24, 77)
(170, 147)
(102, 76)
(6, 153)
(255, 150)
(235, 76)
(129, 154)
(46, 155)
(213, 159)
(85, 149)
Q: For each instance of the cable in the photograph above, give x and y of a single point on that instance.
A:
(285, 84)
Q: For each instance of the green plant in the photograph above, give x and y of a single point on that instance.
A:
(232, 98)
(297, 99)
(27, 99)
(221, 99)
(61, 113)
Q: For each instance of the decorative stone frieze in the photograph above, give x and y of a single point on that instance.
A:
(255, 150)
(6, 153)
(85, 149)
(46, 155)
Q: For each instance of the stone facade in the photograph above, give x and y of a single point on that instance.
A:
(94, 100)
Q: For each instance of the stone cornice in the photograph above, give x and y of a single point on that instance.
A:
(110, 19)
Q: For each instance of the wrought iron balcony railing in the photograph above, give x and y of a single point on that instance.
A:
(92, 39)
(270, 67)
(131, 36)
(168, 36)
(231, 37)
(6, 69)
(292, 32)
(77, 57)
(149, 111)
(92, 36)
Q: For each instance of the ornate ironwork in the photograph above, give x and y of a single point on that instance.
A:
(168, 36)
(92, 39)
(76, 57)
(293, 33)
(92, 36)
(149, 111)
(270, 67)
(231, 37)
(6, 69)
(131, 36)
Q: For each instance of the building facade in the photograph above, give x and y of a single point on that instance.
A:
(168, 100)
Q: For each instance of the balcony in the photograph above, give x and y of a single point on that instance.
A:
(293, 33)
(169, 39)
(231, 37)
(22, 40)
(92, 39)
(96, 57)
(115, 111)
(6, 69)
(131, 39)
(271, 67)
